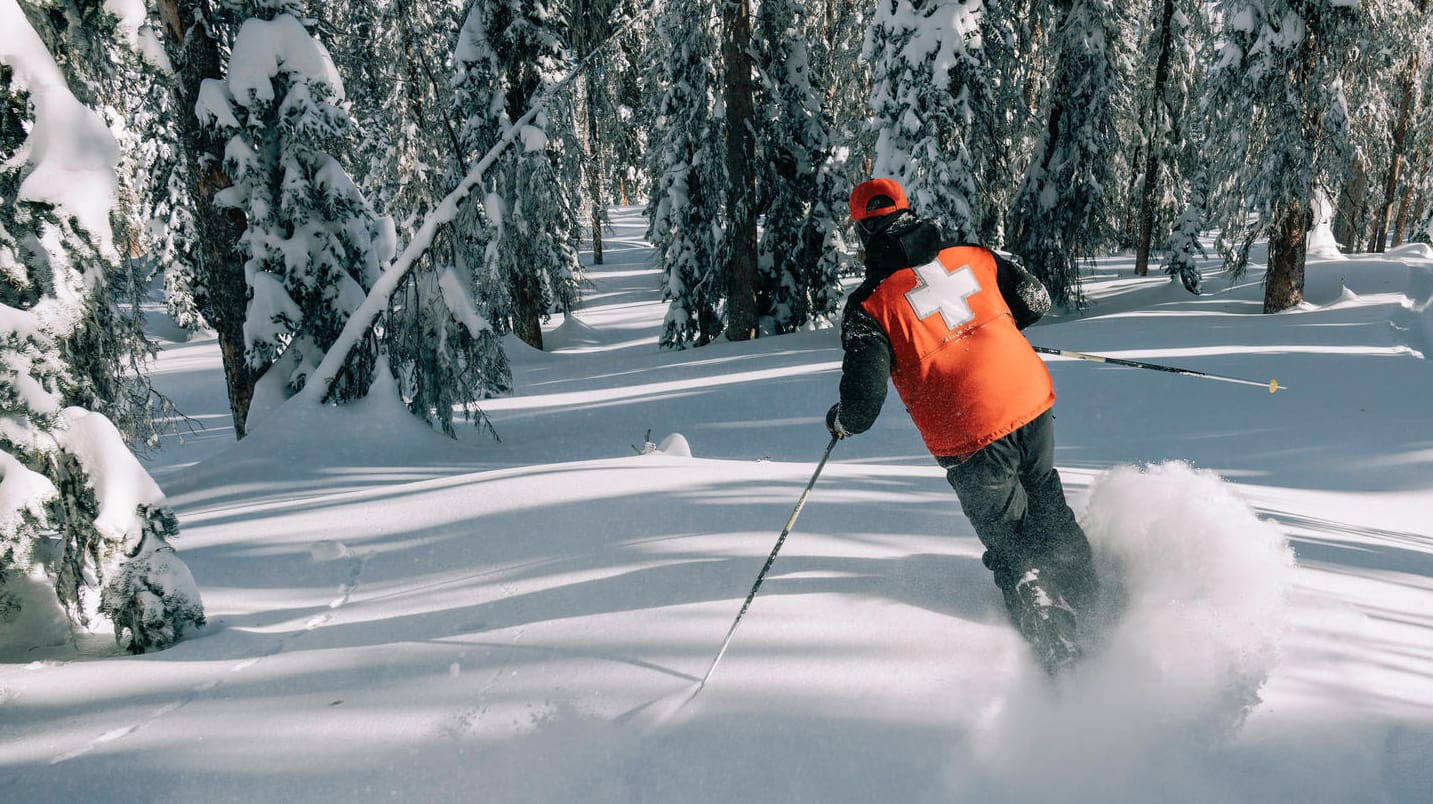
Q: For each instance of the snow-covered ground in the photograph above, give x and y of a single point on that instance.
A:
(397, 616)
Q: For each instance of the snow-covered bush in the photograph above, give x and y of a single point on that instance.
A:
(74, 501)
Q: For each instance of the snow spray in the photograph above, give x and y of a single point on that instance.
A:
(1203, 583)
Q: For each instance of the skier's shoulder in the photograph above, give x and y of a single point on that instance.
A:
(857, 298)
(999, 257)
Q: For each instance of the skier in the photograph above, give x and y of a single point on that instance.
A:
(943, 322)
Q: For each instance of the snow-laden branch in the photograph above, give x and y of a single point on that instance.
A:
(318, 385)
(377, 300)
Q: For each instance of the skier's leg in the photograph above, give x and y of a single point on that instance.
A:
(1058, 545)
(994, 497)
(987, 484)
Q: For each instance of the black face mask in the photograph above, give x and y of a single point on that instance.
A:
(898, 240)
(869, 228)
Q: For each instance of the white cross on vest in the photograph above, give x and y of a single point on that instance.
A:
(945, 292)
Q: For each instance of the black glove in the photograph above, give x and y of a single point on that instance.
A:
(833, 424)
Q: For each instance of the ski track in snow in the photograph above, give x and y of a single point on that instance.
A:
(356, 566)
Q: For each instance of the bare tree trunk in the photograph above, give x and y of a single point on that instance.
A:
(1400, 221)
(1148, 192)
(1350, 208)
(1288, 245)
(1416, 164)
(223, 298)
(741, 189)
(527, 324)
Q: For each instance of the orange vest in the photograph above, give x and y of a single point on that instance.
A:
(966, 374)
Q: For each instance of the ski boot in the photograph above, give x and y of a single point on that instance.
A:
(1046, 621)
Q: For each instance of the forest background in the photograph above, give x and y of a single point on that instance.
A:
(348, 192)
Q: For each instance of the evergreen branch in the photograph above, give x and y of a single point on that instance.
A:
(320, 384)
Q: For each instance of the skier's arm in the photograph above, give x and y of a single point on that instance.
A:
(1026, 297)
(864, 371)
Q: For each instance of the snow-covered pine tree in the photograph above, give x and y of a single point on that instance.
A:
(196, 39)
(76, 508)
(156, 226)
(1184, 243)
(102, 59)
(928, 85)
(394, 55)
(1278, 128)
(799, 269)
(689, 174)
(313, 243)
(1391, 46)
(625, 67)
(837, 30)
(1063, 213)
(519, 236)
(592, 23)
(1167, 71)
(1018, 60)
(1418, 207)
(1406, 28)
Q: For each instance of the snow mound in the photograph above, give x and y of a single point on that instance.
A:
(1204, 583)
(1414, 251)
(30, 616)
(571, 333)
(328, 550)
(675, 444)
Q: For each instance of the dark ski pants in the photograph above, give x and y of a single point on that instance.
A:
(1013, 497)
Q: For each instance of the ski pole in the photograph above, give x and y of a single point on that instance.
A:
(1272, 385)
(769, 561)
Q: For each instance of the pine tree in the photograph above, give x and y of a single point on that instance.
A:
(929, 82)
(1062, 215)
(592, 24)
(1018, 57)
(74, 502)
(313, 243)
(843, 78)
(1169, 56)
(395, 56)
(689, 175)
(1184, 241)
(798, 276)
(195, 34)
(1411, 28)
(1418, 205)
(1389, 49)
(1278, 128)
(518, 239)
(625, 67)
